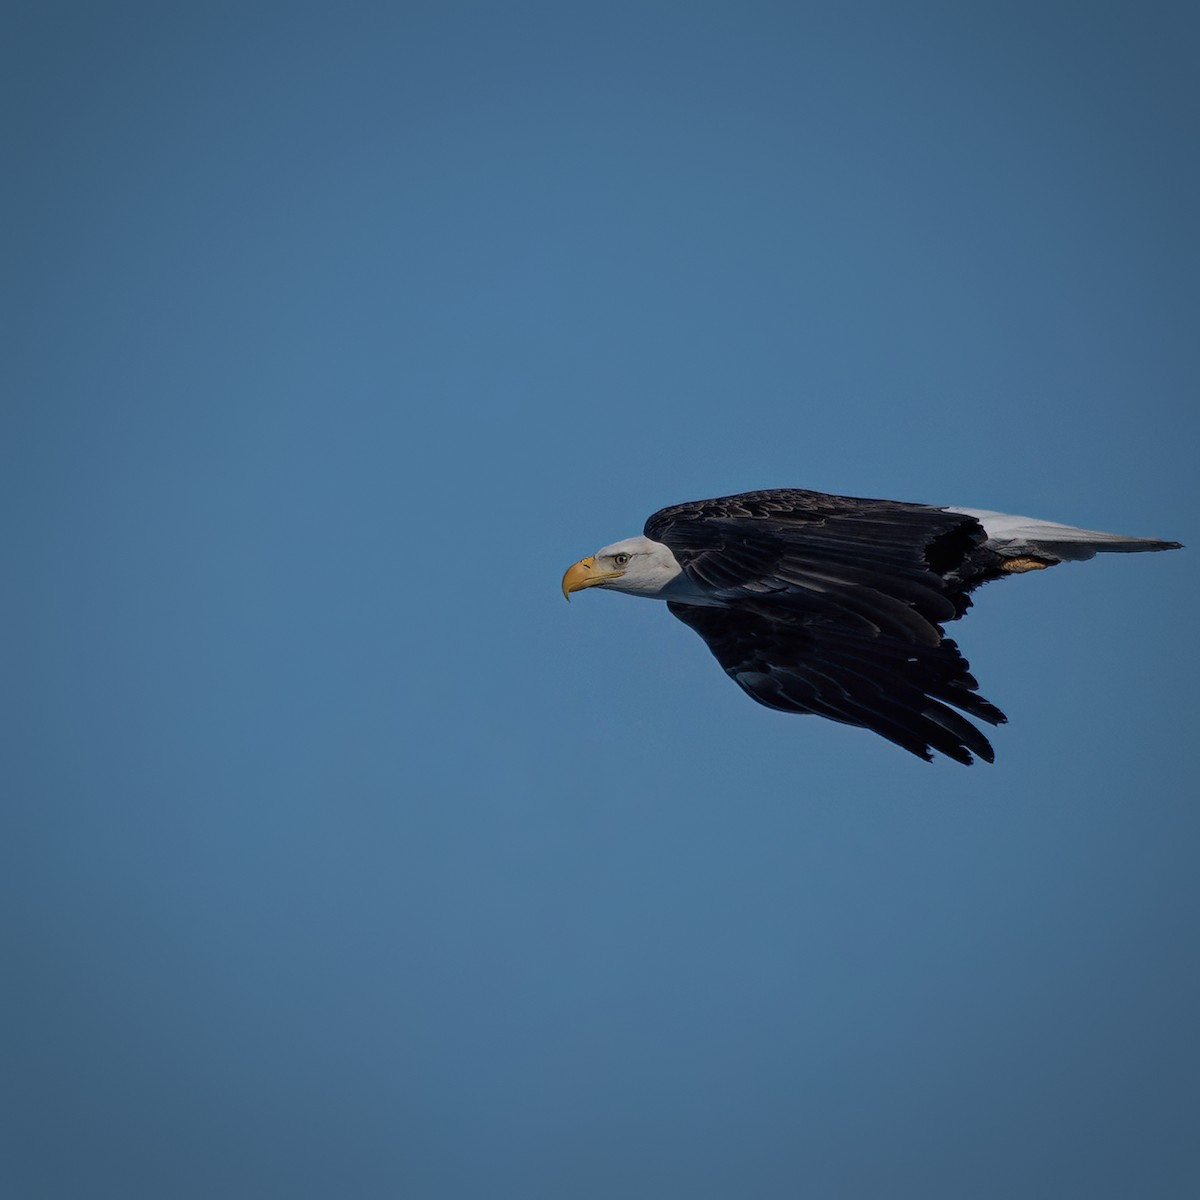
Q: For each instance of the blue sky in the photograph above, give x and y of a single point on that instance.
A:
(340, 856)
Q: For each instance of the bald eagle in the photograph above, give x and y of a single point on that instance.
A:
(834, 606)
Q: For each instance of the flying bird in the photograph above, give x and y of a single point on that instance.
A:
(834, 606)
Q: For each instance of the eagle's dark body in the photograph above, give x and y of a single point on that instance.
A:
(835, 605)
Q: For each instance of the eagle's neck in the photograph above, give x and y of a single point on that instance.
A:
(655, 573)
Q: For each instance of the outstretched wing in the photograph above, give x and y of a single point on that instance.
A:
(803, 663)
(834, 605)
(878, 566)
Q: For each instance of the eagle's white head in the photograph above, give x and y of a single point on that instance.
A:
(637, 566)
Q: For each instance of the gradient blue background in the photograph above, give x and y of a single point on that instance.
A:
(341, 857)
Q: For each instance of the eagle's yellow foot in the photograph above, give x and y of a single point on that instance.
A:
(1024, 563)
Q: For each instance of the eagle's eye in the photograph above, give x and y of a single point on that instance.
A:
(620, 559)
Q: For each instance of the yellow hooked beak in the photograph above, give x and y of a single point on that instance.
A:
(585, 574)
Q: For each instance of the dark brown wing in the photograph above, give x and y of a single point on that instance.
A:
(810, 664)
(834, 605)
(878, 565)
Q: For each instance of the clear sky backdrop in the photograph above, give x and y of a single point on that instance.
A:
(342, 858)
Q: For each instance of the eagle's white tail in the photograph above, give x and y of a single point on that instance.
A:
(1015, 536)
